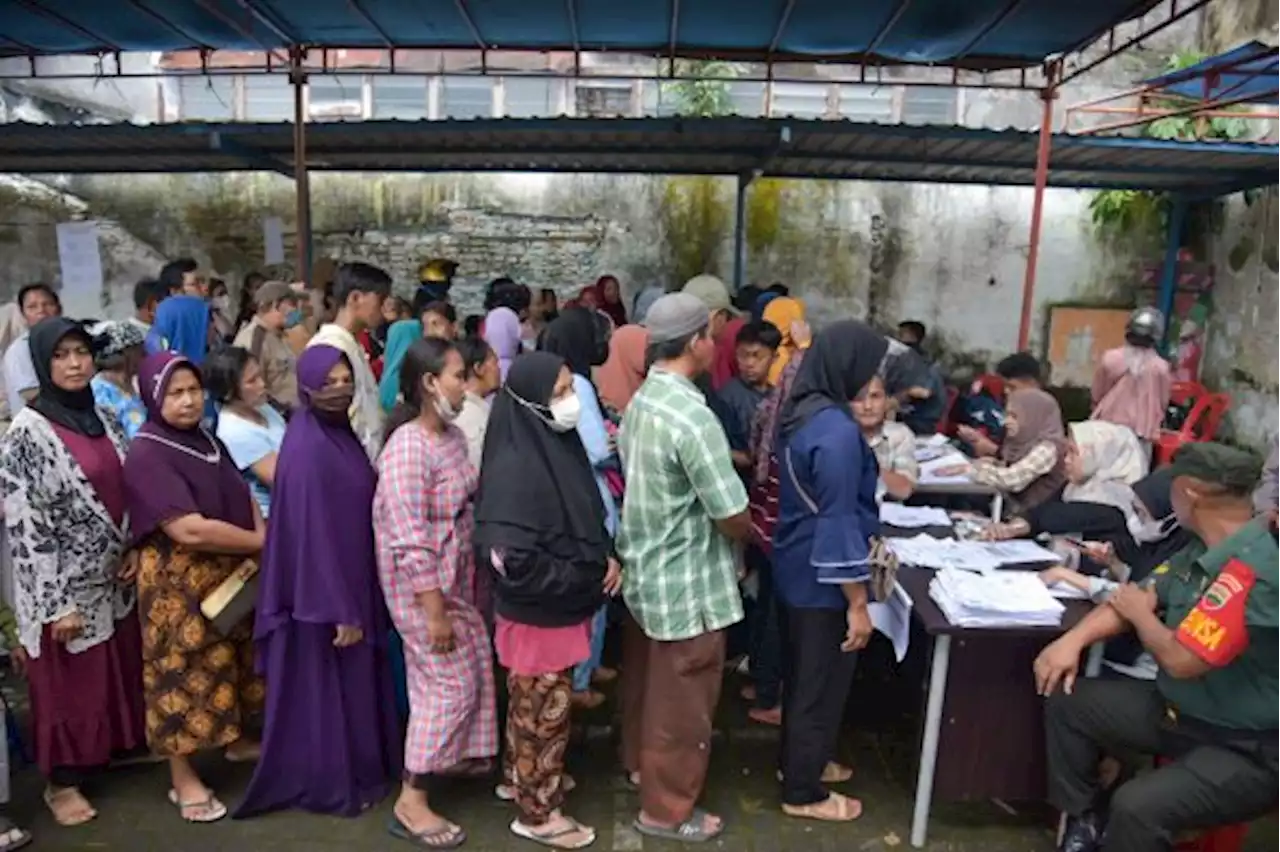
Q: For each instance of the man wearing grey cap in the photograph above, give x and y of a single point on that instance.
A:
(685, 507)
(1209, 617)
(263, 336)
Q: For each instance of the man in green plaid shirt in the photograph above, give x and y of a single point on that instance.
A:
(684, 507)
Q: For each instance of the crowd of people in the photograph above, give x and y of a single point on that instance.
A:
(409, 502)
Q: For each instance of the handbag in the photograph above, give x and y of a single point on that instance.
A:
(233, 599)
(881, 560)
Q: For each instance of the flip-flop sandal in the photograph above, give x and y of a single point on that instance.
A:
(507, 792)
(447, 836)
(12, 837)
(846, 809)
(555, 840)
(209, 808)
(691, 830)
(87, 815)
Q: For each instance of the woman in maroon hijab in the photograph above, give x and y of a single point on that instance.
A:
(609, 292)
(193, 523)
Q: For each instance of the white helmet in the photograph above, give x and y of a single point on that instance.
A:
(1146, 322)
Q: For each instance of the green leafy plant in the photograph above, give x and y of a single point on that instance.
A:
(697, 96)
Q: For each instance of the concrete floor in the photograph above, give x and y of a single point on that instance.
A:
(134, 816)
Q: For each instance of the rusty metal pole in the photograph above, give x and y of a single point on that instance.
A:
(1047, 95)
(301, 179)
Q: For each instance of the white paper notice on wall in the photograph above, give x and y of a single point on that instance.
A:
(273, 239)
(81, 264)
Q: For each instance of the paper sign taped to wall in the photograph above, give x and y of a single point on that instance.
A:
(81, 263)
(273, 239)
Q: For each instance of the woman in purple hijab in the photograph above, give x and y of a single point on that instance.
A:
(193, 524)
(332, 743)
(502, 333)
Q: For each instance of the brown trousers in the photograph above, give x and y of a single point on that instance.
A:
(669, 696)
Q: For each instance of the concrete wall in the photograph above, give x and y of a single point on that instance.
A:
(1241, 349)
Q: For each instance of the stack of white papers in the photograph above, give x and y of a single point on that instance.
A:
(925, 551)
(1002, 599)
(893, 619)
(898, 515)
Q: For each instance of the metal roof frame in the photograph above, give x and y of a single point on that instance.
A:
(791, 148)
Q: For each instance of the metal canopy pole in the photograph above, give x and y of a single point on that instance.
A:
(740, 231)
(1047, 96)
(302, 178)
(1169, 271)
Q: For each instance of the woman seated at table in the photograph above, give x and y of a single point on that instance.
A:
(1032, 464)
(894, 445)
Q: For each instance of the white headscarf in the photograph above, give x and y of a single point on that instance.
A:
(1113, 460)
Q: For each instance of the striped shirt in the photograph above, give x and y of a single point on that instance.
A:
(681, 575)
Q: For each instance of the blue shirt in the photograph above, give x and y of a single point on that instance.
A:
(249, 443)
(595, 440)
(126, 408)
(817, 552)
(738, 403)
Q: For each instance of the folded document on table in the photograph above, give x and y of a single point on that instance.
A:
(1000, 599)
(929, 470)
(925, 551)
(898, 515)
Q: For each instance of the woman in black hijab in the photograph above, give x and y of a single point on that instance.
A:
(823, 556)
(581, 337)
(540, 525)
(64, 512)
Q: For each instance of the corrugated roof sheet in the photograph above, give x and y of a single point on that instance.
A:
(724, 146)
(968, 33)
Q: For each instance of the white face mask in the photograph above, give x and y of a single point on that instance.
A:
(222, 303)
(448, 413)
(565, 413)
(1145, 532)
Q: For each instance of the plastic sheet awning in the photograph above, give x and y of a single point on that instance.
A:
(980, 34)
(791, 148)
(1247, 74)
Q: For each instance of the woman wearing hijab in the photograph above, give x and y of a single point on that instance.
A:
(502, 333)
(541, 528)
(118, 350)
(400, 336)
(64, 512)
(623, 371)
(422, 523)
(610, 293)
(1032, 465)
(827, 518)
(787, 316)
(331, 742)
(576, 338)
(194, 524)
(182, 326)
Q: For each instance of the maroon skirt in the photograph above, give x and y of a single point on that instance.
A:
(87, 707)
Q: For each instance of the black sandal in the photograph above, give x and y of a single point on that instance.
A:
(447, 836)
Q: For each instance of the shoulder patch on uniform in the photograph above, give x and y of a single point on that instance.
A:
(1215, 630)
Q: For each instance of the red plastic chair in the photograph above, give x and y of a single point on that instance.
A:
(947, 425)
(1183, 392)
(1201, 425)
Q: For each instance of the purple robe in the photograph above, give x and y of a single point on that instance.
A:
(332, 743)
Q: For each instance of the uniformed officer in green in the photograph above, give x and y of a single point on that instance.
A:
(1209, 617)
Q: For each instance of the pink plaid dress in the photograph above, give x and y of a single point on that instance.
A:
(422, 520)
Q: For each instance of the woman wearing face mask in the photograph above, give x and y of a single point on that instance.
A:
(423, 522)
(247, 424)
(222, 312)
(331, 742)
(1032, 464)
(542, 530)
(578, 339)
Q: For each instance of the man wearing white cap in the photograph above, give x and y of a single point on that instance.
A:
(684, 509)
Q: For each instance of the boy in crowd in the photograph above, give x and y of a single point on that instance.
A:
(440, 319)
(757, 346)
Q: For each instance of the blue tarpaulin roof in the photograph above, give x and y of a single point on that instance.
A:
(967, 33)
(791, 148)
(1247, 74)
